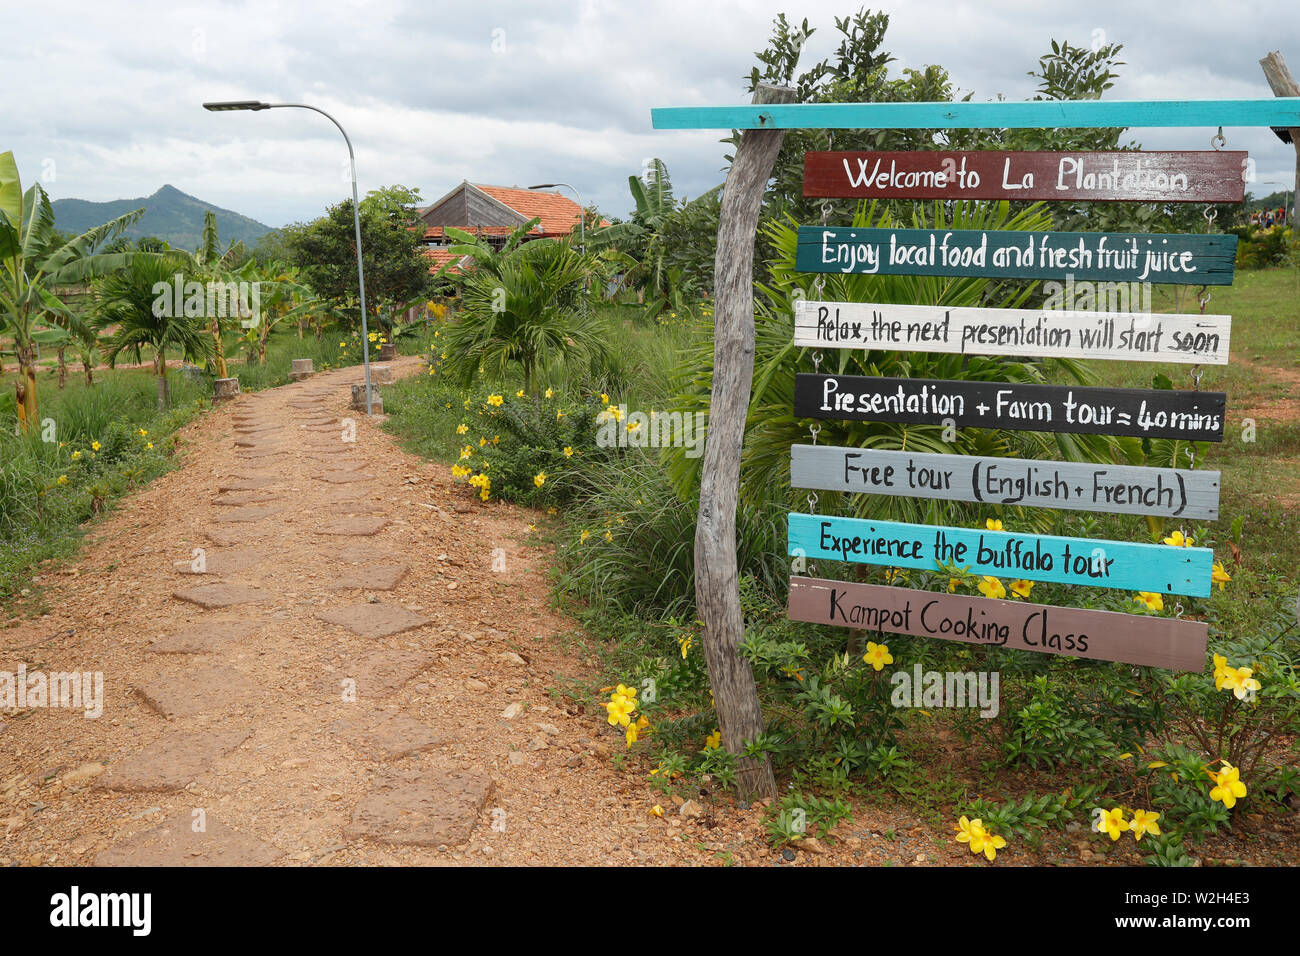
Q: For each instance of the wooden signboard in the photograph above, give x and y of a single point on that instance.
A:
(1160, 568)
(1099, 635)
(1208, 176)
(1047, 333)
(1144, 413)
(1077, 486)
(1090, 256)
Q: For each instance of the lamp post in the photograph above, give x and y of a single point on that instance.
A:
(582, 213)
(254, 106)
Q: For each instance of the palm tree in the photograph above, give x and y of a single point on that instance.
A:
(127, 302)
(523, 307)
(35, 259)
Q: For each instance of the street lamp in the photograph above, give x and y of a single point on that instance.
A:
(582, 214)
(254, 106)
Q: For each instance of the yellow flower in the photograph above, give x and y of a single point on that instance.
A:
(656, 810)
(877, 655)
(604, 398)
(76, 455)
(1179, 540)
(559, 413)
(482, 442)
(631, 734)
(1219, 575)
(1113, 822)
(633, 426)
(685, 642)
(539, 479)
(519, 394)
(993, 524)
(1144, 821)
(466, 452)
(459, 471)
(148, 444)
(992, 587)
(61, 480)
(609, 536)
(1228, 787)
(1150, 600)
(714, 740)
(373, 336)
(568, 451)
(952, 585)
(95, 446)
(1238, 680)
(972, 832)
(1021, 588)
(495, 400)
(532, 527)
(143, 433)
(462, 429)
(550, 393)
(343, 345)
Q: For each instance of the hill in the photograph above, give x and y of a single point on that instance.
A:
(169, 214)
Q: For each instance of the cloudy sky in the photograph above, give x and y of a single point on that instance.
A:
(104, 96)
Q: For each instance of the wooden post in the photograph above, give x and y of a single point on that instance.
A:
(717, 589)
(1284, 84)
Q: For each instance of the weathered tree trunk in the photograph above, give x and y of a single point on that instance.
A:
(89, 370)
(27, 364)
(20, 401)
(717, 590)
(1284, 84)
(160, 369)
(63, 367)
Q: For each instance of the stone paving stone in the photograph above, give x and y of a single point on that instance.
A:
(203, 637)
(210, 596)
(206, 689)
(238, 498)
(358, 527)
(174, 843)
(224, 561)
(376, 577)
(374, 675)
(374, 620)
(386, 736)
(250, 513)
(421, 808)
(246, 484)
(341, 477)
(253, 454)
(234, 535)
(174, 760)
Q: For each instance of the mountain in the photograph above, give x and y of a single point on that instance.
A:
(169, 214)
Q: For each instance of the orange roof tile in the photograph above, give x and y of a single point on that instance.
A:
(559, 214)
(440, 257)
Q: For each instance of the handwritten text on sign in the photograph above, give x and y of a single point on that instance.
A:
(1077, 486)
(1099, 635)
(1125, 336)
(1149, 413)
(1004, 554)
(1093, 256)
(1209, 176)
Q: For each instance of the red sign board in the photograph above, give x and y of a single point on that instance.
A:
(1207, 176)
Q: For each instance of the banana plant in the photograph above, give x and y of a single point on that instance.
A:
(35, 261)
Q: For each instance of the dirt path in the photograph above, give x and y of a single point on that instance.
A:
(331, 688)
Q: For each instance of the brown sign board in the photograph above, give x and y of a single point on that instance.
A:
(1017, 625)
(1206, 176)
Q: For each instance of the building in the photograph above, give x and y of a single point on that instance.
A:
(493, 212)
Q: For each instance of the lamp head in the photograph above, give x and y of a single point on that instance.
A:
(231, 105)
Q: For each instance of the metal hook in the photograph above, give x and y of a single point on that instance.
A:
(1203, 297)
(1219, 139)
(828, 207)
(1191, 457)
(817, 361)
(1178, 609)
(819, 286)
(1197, 374)
(815, 430)
(812, 503)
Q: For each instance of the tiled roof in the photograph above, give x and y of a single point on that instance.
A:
(440, 232)
(559, 214)
(440, 257)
